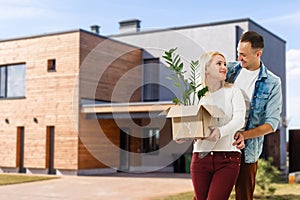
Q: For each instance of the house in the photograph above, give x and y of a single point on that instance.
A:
(76, 102)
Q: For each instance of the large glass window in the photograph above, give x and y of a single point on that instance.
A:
(150, 140)
(12, 81)
(151, 79)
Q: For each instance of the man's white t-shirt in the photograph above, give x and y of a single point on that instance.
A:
(246, 82)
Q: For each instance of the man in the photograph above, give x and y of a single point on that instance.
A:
(263, 97)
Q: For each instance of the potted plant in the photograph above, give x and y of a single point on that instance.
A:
(190, 119)
(189, 87)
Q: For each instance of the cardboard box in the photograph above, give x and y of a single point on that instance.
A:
(194, 121)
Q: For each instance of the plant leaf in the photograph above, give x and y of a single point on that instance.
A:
(176, 101)
(202, 92)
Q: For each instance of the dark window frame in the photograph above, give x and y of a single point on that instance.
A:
(12, 85)
(150, 141)
(51, 65)
(151, 81)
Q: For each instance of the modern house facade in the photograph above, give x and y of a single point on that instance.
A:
(77, 102)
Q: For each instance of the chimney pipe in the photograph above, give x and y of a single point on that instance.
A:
(95, 29)
(130, 26)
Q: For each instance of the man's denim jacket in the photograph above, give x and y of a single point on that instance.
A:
(265, 106)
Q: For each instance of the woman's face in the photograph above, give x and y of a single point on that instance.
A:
(217, 68)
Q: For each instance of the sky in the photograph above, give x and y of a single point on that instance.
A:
(20, 18)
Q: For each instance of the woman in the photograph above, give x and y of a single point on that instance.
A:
(216, 162)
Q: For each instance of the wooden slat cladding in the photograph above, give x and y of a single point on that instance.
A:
(100, 143)
(103, 64)
(52, 97)
(86, 160)
(87, 43)
(121, 81)
(98, 146)
(111, 71)
(48, 101)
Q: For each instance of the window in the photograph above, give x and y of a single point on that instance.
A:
(151, 79)
(12, 81)
(51, 65)
(150, 140)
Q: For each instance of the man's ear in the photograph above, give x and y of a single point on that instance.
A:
(259, 53)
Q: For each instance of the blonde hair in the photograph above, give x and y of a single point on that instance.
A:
(205, 60)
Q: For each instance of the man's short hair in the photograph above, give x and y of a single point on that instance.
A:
(255, 39)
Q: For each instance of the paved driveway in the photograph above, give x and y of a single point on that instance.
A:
(116, 186)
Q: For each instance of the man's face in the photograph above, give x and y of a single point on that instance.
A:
(250, 58)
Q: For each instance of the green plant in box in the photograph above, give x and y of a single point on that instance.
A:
(189, 87)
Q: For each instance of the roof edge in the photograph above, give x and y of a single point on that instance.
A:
(197, 26)
(52, 33)
(79, 30)
(183, 27)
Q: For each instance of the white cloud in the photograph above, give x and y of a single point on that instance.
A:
(2, 2)
(293, 108)
(293, 63)
(20, 12)
(293, 82)
(26, 9)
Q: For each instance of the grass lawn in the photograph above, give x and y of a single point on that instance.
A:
(284, 191)
(6, 179)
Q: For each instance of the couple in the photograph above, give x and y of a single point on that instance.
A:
(217, 163)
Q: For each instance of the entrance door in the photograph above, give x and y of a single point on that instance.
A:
(50, 150)
(124, 150)
(20, 149)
